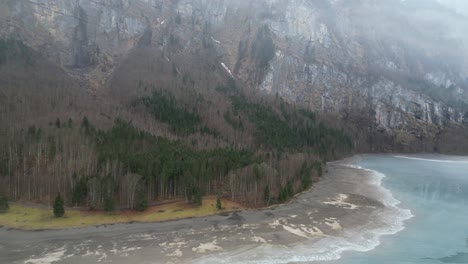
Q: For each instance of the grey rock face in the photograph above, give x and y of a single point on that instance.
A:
(404, 60)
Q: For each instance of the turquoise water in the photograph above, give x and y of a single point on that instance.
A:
(435, 189)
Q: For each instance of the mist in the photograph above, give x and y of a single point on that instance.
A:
(459, 6)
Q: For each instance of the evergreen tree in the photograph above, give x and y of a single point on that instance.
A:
(306, 178)
(80, 191)
(197, 198)
(319, 169)
(59, 210)
(3, 204)
(109, 203)
(142, 203)
(57, 123)
(266, 195)
(219, 206)
(281, 196)
(286, 193)
(289, 190)
(86, 125)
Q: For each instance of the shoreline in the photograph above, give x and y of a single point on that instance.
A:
(386, 219)
(337, 214)
(391, 220)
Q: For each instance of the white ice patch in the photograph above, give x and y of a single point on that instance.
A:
(258, 240)
(175, 248)
(333, 223)
(314, 231)
(102, 256)
(124, 251)
(249, 226)
(295, 231)
(207, 247)
(340, 201)
(216, 41)
(48, 258)
(277, 222)
(432, 160)
(173, 245)
(176, 253)
(304, 231)
(227, 69)
(142, 237)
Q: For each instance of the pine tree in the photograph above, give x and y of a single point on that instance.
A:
(59, 210)
(197, 198)
(80, 191)
(219, 206)
(109, 203)
(142, 203)
(57, 123)
(266, 195)
(306, 178)
(3, 204)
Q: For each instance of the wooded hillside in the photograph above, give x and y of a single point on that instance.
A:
(152, 140)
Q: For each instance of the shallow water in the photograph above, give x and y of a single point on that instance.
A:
(435, 189)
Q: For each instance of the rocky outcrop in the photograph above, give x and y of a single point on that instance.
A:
(406, 68)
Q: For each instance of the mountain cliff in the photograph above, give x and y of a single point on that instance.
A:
(398, 65)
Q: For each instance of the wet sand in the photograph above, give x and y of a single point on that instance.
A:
(344, 203)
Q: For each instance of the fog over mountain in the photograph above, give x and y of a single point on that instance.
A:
(458, 6)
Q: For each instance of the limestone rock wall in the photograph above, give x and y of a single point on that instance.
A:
(403, 62)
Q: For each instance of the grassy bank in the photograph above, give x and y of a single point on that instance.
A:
(30, 218)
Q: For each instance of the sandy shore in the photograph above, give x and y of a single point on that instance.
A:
(344, 211)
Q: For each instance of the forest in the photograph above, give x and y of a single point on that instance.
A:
(172, 141)
(125, 167)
